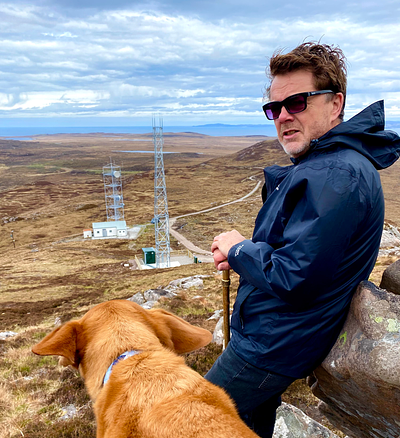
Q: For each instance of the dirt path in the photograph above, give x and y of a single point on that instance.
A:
(204, 256)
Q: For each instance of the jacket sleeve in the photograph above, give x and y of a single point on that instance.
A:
(322, 213)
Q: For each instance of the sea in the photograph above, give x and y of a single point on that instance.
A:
(217, 130)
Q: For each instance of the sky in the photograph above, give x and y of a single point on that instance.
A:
(118, 62)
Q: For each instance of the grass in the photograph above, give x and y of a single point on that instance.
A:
(34, 390)
(53, 274)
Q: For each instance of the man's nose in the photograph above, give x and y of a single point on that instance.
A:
(285, 116)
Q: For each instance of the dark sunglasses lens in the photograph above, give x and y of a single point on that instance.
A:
(272, 110)
(296, 104)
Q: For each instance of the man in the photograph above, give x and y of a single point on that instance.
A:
(315, 238)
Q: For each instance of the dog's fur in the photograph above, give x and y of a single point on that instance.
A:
(152, 394)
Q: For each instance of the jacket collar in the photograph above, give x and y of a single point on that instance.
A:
(123, 356)
(364, 133)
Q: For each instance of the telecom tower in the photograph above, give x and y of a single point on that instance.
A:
(113, 192)
(161, 217)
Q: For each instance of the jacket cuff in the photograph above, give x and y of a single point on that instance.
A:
(234, 253)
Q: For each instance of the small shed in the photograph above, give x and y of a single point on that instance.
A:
(87, 233)
(149, 255)
(104, 230)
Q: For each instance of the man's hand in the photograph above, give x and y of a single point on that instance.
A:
(221, 246)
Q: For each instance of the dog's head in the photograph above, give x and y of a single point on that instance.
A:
(91, 343)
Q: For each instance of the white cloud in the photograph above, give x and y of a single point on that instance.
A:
(40, 100)
(197, 58)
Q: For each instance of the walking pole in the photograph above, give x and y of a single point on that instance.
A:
(225, 303)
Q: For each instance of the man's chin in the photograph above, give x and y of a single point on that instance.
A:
(293, 150)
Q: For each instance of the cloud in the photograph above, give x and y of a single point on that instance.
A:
(198, 60)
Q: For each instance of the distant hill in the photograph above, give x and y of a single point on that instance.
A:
(268, 152)
(261, 154)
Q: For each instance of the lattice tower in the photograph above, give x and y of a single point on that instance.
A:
(113, 192)
(161, 217)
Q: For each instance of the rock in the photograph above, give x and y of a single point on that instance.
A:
(215, 315)
(4, 335)
(391, 278)
(148, 304)
(187, 282)
(150, 297)
(389, 239)
(218, 335)
(359, 381)
(194, 282)
(291, 422)
(137, 298)
(69, 412)
(156, 294)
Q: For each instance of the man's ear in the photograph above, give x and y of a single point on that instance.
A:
(177, 334)
(337, 105)
(61, 342)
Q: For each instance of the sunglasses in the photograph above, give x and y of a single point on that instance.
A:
(294, 104)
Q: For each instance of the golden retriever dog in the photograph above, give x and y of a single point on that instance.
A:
(140, 387)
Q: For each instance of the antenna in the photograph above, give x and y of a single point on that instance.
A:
(113, 192)
(161, 217)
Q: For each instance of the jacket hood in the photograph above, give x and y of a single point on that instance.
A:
(365, 133)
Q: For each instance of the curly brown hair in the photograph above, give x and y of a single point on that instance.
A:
(326, 63)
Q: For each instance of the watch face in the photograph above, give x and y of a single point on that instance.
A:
(117, 174)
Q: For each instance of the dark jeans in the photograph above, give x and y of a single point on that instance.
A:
(256, 392)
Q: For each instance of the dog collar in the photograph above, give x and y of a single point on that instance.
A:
(118, 359)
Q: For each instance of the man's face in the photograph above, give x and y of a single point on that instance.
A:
(295, 131)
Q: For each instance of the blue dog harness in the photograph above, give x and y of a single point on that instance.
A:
(118, 359)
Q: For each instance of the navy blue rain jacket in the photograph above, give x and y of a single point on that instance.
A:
(315, 238)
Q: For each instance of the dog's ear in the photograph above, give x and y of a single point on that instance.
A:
(177, 334)
(61, 342)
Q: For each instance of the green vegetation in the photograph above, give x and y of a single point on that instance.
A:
(51, 190)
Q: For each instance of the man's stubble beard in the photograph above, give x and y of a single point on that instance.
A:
(300, 150)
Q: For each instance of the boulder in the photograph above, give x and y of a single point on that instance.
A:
(137, 298)
(187, 282)
(156, 294)
(5, 335)
(391, 278)
(216, 315)
(218, 334)
(68, 412)
(291, 422)
(148, 304)
(390, 241)
(359, 381)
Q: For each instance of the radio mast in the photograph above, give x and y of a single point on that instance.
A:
(113, 192)
(161, 217)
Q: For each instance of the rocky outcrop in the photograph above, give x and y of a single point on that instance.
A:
(5, 335)
(291, 422)
(359, 381)
(391, 278)
(150, 297)
(218, 334)
(390, 241)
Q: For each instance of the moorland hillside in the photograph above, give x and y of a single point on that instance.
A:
(51, 188)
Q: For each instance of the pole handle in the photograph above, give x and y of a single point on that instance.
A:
(226, 307)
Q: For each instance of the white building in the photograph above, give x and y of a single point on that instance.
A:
(87, 233)
(107, 230)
